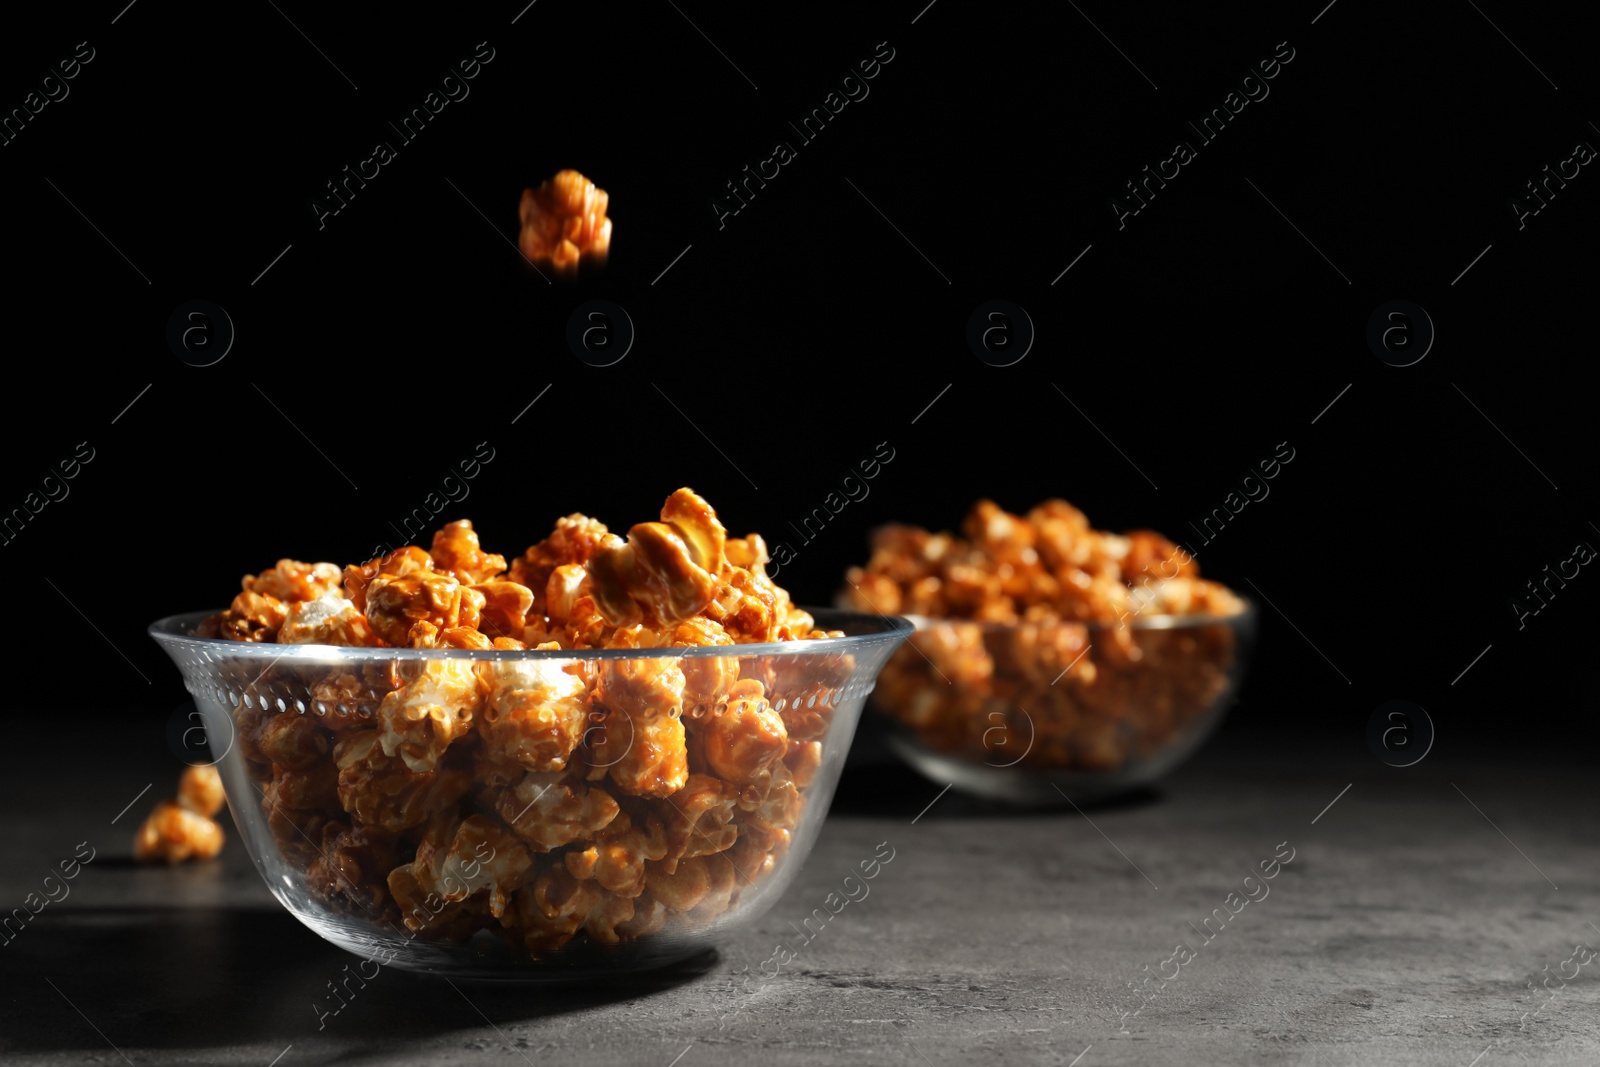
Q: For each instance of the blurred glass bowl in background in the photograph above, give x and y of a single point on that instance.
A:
(1039, 712)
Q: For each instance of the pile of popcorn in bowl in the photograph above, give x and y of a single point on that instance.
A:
(1050, 658)
(477, 767)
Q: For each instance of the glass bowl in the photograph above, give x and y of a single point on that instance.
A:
(1043, 713)
(384, 793)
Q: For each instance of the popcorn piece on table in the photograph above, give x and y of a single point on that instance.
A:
(173, 833)
(200, 790)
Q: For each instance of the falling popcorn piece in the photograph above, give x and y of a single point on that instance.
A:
(564, 222)
(184, 830)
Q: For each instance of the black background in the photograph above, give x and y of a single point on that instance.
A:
(807, 329)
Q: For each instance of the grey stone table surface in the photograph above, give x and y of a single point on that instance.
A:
(1428, 916)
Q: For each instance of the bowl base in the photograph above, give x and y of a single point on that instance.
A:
(1035, 788)
(487, 958)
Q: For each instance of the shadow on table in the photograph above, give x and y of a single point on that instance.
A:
(216, 977)
(894, 790)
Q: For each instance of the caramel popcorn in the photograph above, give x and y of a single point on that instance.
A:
(564, 221)
(606, 919)
(328, 620)
(1034, 653)
(703, 676)
(257, 613)
(292, 580)
(744, 736)
(458, 859)
(642, 741)
(402, 607)
(174, 832)
(351, 866)
(771, 805)
(536, 713)
(418, 721)
(649, 917)
(200, 790)
(700, 821)
(542, 800)
(553, 909)
(549, 811)
(313, 788)
(574, 540)
(667, 570)
(251, 617)
(646, 755)
(681, 888)
(456, 551)
(727, 879)
(617, 858)
(293, 742)
(804, 760)
(299, 834)
(382, 791)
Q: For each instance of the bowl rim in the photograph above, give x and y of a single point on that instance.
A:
(1246, 614)
(172, 632)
